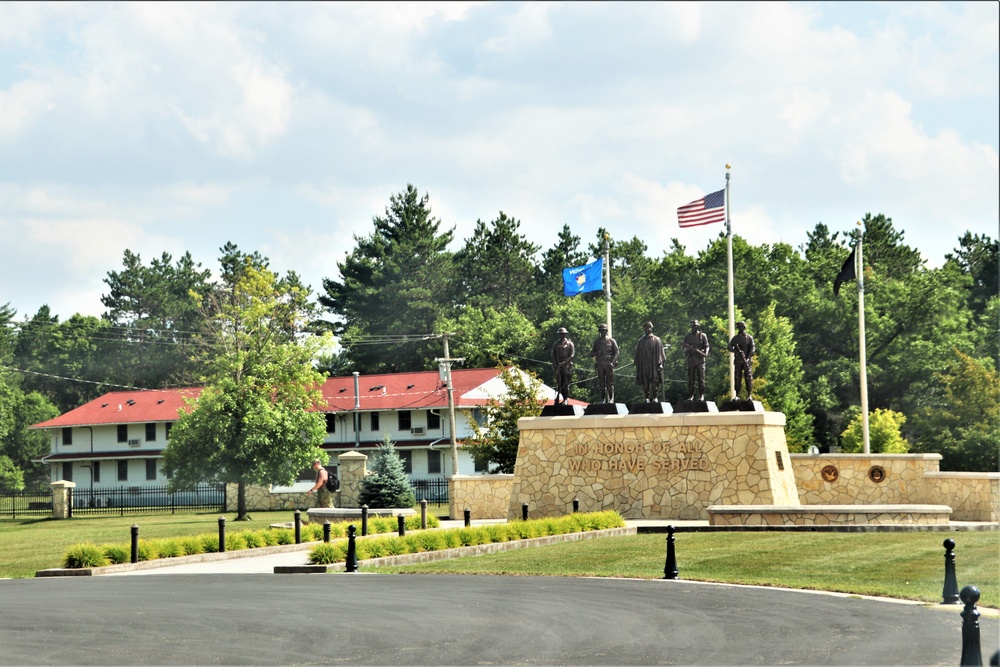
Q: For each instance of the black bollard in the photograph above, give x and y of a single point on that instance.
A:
(222, 534)
(423, 514)
(326, 531)
(670, 568)
(298, 527)
(364, 520)
(351, 560)
(576, 505)
(467, 513)
(949, 594)
(971, 654)
(135, 543)
(524, 511)
(401, 520)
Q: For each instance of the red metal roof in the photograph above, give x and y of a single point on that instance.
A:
(126, 407)
(389, 391)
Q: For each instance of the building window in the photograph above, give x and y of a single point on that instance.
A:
(123, 433)
(374, 422)
(433, 420)
(67, 436)
(97, 471)
(123, 471)
(433, 462)
(407, 458)
(67, 472)
(331, 422)
(482, 465)
(150, 469)
(150, 432)
(404, 420)
(166, 430)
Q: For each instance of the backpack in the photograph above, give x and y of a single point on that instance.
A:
(331, 483)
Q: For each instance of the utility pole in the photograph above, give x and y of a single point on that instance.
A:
(445, 365)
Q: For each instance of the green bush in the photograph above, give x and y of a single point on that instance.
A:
(284, 535)
(85, 555)
(118, 553)
(235, 542)
(496, 532)
(327, 554)
(191, 545)
(254, 539)
(413, 543)
(209, 543)
(430, 541)
(394, 546)
(452, 539)
(147, 551)
(168, 548)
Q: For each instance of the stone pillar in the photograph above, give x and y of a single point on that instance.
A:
(60, 498)
(352, 470)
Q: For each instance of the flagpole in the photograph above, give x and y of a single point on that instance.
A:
(607, 282)
(859, 270)
(732, 308)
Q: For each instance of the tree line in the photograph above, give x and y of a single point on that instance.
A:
(931, 332)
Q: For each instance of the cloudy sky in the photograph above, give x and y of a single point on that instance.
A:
(285, 128)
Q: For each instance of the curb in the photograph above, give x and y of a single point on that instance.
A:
(456, 552)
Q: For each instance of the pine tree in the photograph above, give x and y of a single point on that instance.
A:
(387, 484)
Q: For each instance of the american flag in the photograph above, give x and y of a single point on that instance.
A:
(710, 208)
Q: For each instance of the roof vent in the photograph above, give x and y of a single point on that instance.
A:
(104, 405)
(130, 402)
(376, 387)
(343, 389)
(410, 386)
(160, 401)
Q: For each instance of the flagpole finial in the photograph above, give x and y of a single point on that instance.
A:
(729, 166)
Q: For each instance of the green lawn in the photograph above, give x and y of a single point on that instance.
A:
(29, 545)
(901, 565)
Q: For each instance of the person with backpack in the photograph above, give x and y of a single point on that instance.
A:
(324, 495)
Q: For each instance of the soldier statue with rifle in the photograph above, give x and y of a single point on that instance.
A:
(695, 346)
(742, 346)
(563, 353)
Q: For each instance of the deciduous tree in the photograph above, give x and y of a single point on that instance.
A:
(253, 423)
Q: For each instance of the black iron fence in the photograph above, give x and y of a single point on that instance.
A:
(431, 490)
(17, 504)
(147, 500)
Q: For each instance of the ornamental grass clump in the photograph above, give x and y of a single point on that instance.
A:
(328, 553)
(147, 551)
(191, 545)
(168, 548)
(254, 539)
(85, 555)
(235, 542)
(209, 543)
(118, 553)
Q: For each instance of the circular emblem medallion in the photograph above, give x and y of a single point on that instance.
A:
(876, 474)
(830, 473)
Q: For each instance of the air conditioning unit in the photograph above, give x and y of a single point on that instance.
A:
(134, 442)
(418, 430)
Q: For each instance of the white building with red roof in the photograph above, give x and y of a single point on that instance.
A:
(118, 439)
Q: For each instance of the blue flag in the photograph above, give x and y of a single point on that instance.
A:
(586, 278)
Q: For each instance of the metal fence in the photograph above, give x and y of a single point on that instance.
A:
(146, 500)
(15, 504)
(431, 490)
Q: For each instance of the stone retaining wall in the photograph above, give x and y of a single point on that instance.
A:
(829, 515)
(876, 479)
(652, 466)
(485, 496)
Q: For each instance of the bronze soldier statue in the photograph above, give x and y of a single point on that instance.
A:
(563, 353)
(696, 350)
(742, 346)
(649, 363)
(605, 353)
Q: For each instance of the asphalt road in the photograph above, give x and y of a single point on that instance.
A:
(369, 619)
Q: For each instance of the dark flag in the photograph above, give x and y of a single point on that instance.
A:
(846, 273)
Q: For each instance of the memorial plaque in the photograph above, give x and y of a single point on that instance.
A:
(606, 409)
(651, 408)
(562, 410)
(697, 406)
